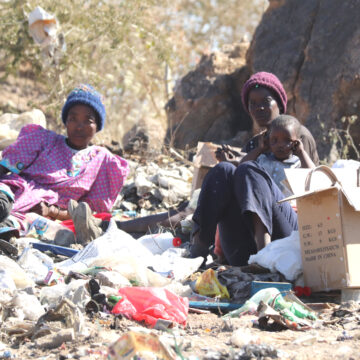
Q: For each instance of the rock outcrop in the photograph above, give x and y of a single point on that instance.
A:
(313, 46)
(207, 103)
(11, 124)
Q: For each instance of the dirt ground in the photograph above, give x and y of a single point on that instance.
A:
(208, 336)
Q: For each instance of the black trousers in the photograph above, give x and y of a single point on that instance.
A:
(229, 196)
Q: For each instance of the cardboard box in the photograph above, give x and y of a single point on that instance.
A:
(329, 226)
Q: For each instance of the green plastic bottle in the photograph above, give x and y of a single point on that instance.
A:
(295, 308)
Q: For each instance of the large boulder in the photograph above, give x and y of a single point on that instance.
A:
(207, 104)
(11, 124)
(313, 47)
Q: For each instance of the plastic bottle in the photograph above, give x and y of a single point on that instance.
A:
(294, 308)
(250, 306)
(158, 243)
(44, 228)
(288, 308)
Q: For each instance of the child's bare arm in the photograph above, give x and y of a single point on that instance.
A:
(261, 148)
(299, 151)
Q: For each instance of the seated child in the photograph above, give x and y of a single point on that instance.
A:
(286, 150)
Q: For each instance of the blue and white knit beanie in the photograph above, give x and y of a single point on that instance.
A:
(87, 95)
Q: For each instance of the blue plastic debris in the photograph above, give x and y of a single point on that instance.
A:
(259, 285)
(55, 249)
(214, 305)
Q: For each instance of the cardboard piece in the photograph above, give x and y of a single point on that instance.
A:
(204, 160)
(329, 226)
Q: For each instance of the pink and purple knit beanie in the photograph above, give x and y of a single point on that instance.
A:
(269, 81)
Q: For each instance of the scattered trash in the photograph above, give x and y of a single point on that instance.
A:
(42, 26)
(136, 345)
(302, 291)
(287, 312)
(18, 275)
(209, 285)
(158, 243)
(344, 336)
(49, 230)
(35, 263)
(256, 286)
(150, 304)
(53, 341)
(283, 255)
(67, 313)
(171, 264)
(116, 280)
(27, 307)
(257, 351)
(239, 280)
(55, 249)
(107, 250)
(7, 355)
(53, 277)
(6, 281)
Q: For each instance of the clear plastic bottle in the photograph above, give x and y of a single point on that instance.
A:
(288, 308)
(158, 243)
(44, 228)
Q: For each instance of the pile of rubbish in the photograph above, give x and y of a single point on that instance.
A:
(120, 297)
(52, 295)
(48, 296)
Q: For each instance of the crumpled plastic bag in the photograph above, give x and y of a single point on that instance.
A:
(26, 306)
(109, 250)
(151, 304)
(209, 285)
(19, 276)
(283, 255)
(42, 26)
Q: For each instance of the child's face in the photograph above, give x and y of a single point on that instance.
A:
(281, 142)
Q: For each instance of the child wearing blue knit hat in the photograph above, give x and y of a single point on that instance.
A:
(85, 94)
(42, 170)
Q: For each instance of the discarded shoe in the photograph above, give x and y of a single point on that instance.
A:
(7, 248)
(87, 227)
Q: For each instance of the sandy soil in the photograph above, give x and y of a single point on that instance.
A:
(209, 336)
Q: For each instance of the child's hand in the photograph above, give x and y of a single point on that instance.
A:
(299, 151)
(297, 147)
(225, 153)
(263, 144)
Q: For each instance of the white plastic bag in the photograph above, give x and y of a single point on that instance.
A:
(35, 263)
(171, 263)
(19, 276)
(6, 281)
(27, 307)
(75, 291)
(42, 26)
(106, 250)
(158, 243)
(283, 255)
